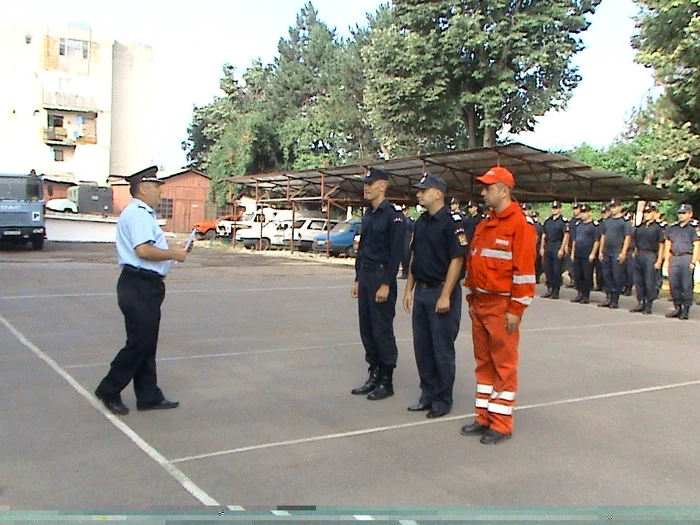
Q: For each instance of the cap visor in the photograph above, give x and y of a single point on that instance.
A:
(487, 179)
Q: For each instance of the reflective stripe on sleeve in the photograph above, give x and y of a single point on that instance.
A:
(527, 301)
(524, 279)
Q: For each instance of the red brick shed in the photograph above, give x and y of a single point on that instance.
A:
(182, 202)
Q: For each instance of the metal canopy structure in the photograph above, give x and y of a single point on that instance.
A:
(539, 176)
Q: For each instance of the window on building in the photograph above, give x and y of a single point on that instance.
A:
(73, 48)
(165, 209)
(58, 154)
(55, 121)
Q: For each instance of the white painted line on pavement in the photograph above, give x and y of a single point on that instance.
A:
(178, 292)
(156, 456)
(356, 343)
(376, 430)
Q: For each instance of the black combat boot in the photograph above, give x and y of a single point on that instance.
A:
(578, 298)
(554, 294)
(647, 307)
(685, 311)
(586, 298)
(627, 292)
(615, 301)
(676, 313)
(606, 303)
(385, 385)
(641, 306)
(369, 384)
(547, 294)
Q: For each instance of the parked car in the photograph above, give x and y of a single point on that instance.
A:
(339, 240)
(62, 205)
(272, 235)
(207, 229)
(225, 228)
(305, 231)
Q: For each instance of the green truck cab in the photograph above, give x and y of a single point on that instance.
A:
(22, 210)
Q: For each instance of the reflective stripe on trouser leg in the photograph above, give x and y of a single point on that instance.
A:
(485, 371)
(502, 357)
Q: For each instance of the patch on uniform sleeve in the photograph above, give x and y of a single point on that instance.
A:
(456, 217)
(462, 238)
(398, 218)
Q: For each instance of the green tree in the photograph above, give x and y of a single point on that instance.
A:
(667, 131)
(444, 74)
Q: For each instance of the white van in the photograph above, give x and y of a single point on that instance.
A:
(272, 235)
(225, 228)
(305, 231)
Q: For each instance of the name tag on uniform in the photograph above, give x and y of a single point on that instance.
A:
(502, 242)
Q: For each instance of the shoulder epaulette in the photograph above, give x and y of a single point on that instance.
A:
(595, 223)
(675, 224)
(626, 218)
(565, 219)
(456, 217)
(397, 207)
(529, 220)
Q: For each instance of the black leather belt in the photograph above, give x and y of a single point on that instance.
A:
(648, 251)
(142, 272)
(679, 254)
(424, 284)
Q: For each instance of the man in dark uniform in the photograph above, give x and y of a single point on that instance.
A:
(629, 262)
(437, 265)
(599, 274)
(474, 217)
(648, 239)
(553, 249)
(615, 237)
(376, 265)
(406, 258)
(540, 231)
(567, 263)
(682, 247)
(144, 257)
(659, 273)
(583, 254)
(454, 207)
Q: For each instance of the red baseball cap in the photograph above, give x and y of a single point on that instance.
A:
(497, 174)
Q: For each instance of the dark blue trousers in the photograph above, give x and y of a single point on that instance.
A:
(434, 338)
(681, 280)
(645, 276)
(614, 275)
(377, 319)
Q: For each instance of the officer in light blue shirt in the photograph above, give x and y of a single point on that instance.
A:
(144, 257)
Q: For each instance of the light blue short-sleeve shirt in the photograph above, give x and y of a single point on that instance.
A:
(137, 225)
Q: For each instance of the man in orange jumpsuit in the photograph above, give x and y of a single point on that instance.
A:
(500, 284)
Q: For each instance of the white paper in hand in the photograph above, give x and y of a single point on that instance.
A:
(190, 239)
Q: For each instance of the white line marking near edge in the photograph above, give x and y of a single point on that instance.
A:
(156, 456)
(386, 428)
(357, 343)
(176, 292)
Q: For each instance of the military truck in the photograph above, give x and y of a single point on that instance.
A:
(22, 210)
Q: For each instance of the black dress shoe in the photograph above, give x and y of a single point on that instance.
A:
(115, 407)
(163, 405)
(493, 437)
(473, 429)
(418, 407)
(437, 413)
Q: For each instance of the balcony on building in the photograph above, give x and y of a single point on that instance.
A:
(66, 101)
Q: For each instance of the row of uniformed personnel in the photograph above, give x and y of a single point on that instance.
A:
(626, 254)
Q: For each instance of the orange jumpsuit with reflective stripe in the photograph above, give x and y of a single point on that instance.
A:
(500, 278)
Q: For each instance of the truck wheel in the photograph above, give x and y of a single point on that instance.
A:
(209, 235)
(348, 252)
(264, 244)
(38, 243)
